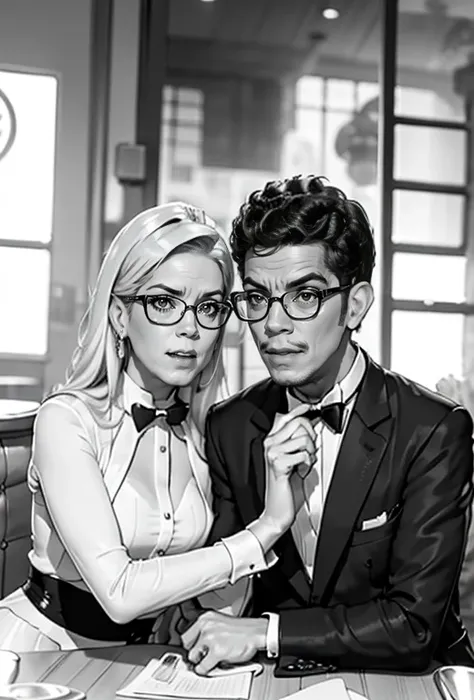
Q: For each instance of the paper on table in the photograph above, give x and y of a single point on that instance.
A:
(332, 689)
(171, 677)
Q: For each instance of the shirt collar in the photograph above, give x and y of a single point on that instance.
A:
(133, 393)
(343, 390)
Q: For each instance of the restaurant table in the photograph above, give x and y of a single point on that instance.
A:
(101, 672)
(12, 407)
(12, 383)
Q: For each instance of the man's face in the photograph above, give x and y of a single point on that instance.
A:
(299, 352)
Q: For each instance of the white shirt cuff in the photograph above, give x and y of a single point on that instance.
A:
(246, 554)
(273, 635)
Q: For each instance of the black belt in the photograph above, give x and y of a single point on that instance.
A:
(78, 611)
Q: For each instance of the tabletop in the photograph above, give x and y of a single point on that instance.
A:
(101, 672)
(12, 407)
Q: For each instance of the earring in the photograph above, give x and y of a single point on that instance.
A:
(119, 346)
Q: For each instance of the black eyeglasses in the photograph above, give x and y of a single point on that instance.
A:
(299, 304)
(166, 310)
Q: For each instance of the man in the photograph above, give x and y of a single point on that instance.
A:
(367, 575)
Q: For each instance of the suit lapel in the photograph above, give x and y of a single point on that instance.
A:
(360, 456)
(262, 418)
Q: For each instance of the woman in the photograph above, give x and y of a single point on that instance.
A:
(121, 493)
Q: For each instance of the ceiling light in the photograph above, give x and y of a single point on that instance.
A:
(207, 0)
(330, 13)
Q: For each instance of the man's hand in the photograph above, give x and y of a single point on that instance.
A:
(215, 638)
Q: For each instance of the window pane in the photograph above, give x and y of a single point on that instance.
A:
(430, 155)
(434, 39)
(189, 96)
(167, 112)
(428, 104)
(341, 94)
(336, 167)
(365, 93)
(188, 134)
(429, 277)
(167, 93)
(186, 155)
(189, 114)
(24, 281)
(302, 150)
(309, 91)
(428, 218)
(427, 346)
(27, 169)
(310, 122)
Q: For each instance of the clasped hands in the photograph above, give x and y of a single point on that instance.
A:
(216, 638)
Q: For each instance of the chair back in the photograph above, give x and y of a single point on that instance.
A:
(16, 436)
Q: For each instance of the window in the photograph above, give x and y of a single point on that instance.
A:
(326, 111)
(181, 136)
(28, 109)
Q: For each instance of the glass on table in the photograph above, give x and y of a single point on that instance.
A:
(9, 666)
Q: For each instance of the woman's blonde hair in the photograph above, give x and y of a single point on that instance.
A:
(131, 260)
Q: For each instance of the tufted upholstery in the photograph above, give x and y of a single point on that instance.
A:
(16, 432)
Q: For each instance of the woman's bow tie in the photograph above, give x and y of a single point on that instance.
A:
(174, 415)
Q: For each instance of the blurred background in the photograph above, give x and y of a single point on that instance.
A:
(110, 106)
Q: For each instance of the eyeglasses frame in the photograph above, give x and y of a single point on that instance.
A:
(322, 295)
(142, 298)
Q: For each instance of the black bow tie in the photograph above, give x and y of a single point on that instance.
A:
(174, 415)
(332, 415)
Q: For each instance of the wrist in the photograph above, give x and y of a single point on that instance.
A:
(260, 633)
(267, 530)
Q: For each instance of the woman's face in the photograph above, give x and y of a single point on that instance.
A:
(167, 356)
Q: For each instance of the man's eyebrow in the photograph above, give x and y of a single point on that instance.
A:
(310, 277)
(292, 284)
(254, 283)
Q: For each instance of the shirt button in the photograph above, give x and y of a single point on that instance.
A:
(162, 448)
(167, 516)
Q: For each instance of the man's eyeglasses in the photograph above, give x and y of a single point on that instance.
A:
(166, 310)
(299, 304)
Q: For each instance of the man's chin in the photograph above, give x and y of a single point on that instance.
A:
(286, 376)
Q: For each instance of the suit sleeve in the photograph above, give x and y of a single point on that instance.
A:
(401, 628)
(227, 518)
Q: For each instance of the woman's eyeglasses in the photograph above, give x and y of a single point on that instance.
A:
(166, 310)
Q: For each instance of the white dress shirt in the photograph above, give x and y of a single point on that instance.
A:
(124, 513)
(315, 485)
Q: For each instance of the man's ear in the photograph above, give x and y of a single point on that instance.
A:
(118, 316)
(361, 297)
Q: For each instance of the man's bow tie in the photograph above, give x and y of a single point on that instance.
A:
(174, 415)
(332, 415)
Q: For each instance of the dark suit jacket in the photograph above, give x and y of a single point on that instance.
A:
(384, 598)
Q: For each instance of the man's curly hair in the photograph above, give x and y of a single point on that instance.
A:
(306, 210)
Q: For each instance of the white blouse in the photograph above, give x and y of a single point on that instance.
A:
(109, 502)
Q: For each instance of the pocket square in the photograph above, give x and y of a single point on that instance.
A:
(371, 523)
